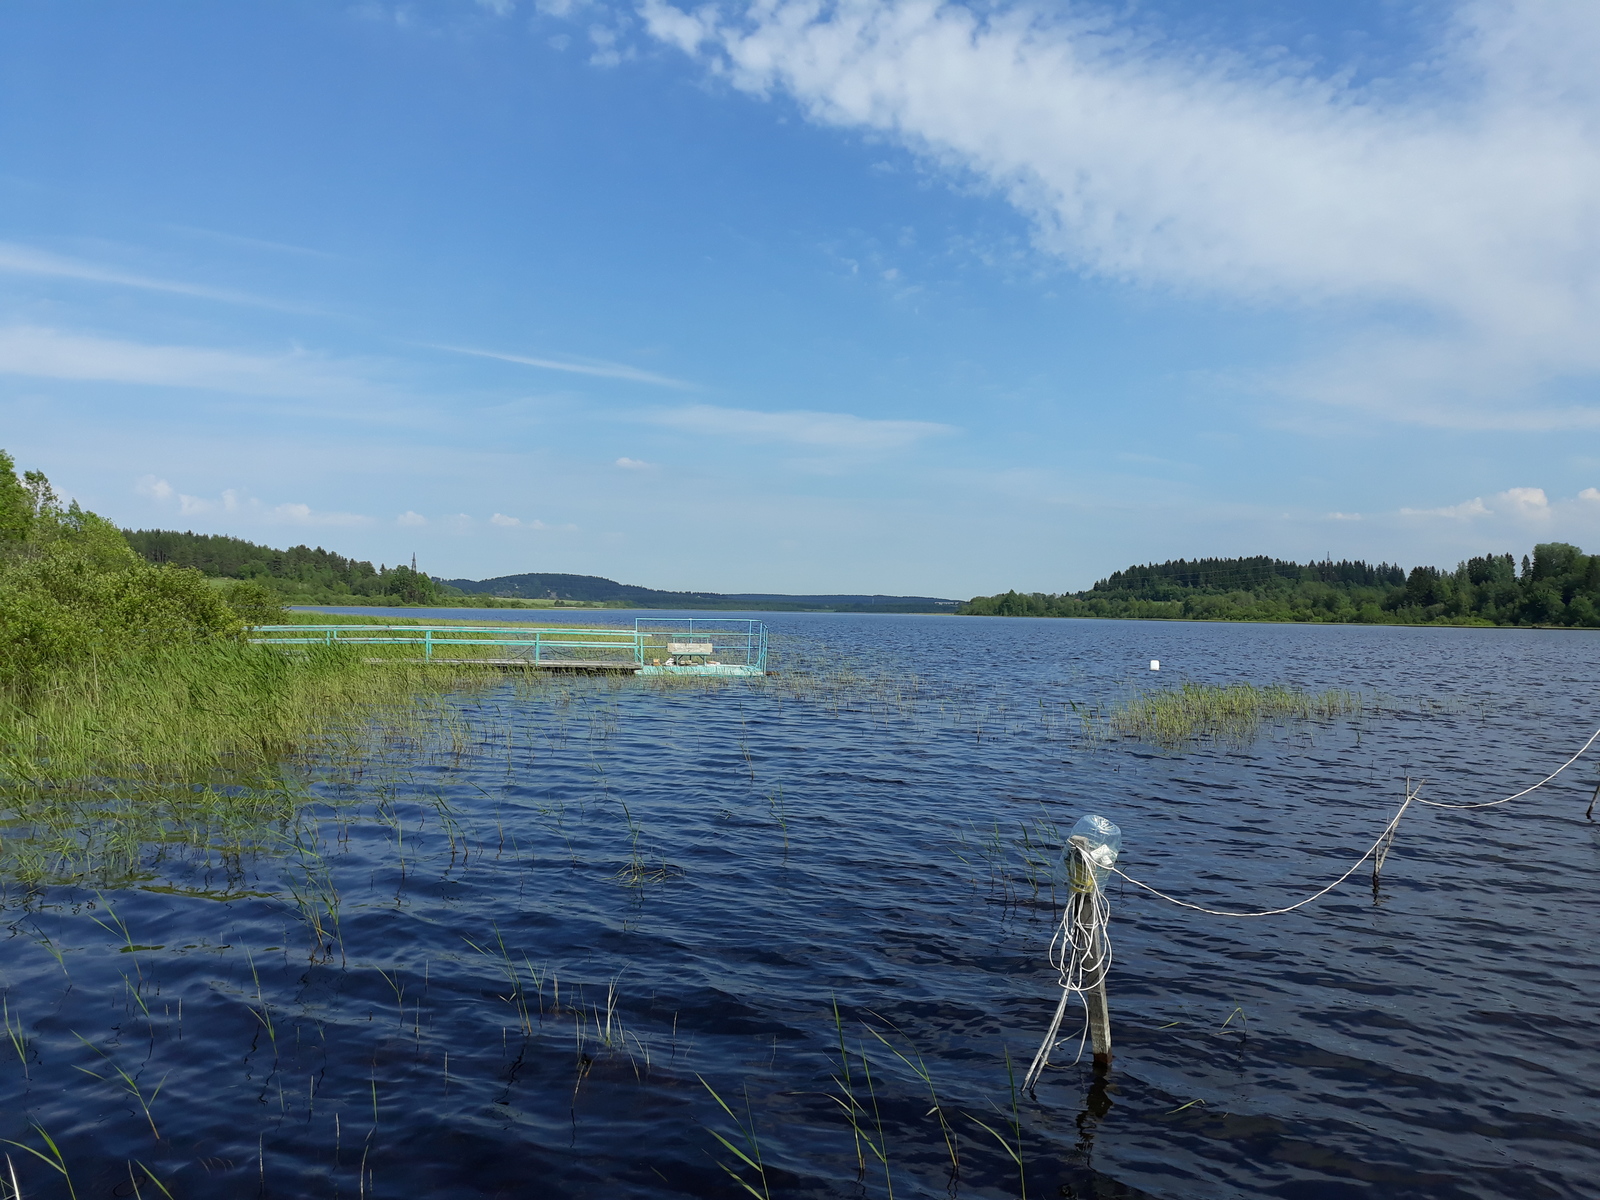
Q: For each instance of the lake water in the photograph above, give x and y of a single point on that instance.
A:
(502, 964)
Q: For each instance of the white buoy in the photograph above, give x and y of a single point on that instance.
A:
(1155, 664)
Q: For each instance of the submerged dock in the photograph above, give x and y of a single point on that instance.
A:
(654, 646)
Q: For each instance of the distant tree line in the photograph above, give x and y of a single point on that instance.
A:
(1558, 586)
(300, 572)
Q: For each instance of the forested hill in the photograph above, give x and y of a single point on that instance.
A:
(298, 573)
(593, 588)
(1558, 586)
(305, 575)
(1171, 580)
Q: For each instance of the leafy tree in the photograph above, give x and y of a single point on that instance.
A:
(254, 604)
(16, 505)
(71, 590)
(1558, 585)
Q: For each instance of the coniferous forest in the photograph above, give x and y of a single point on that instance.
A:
(299, 573)
(1559, 585)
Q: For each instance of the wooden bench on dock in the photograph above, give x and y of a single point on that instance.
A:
(689, 654)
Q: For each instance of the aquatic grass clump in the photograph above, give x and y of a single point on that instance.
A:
(187, 712)
(1232, 712)
(200, 747)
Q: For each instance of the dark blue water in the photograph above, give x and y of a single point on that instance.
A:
(411, 995)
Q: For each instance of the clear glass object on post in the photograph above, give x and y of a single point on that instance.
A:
(1092, 848)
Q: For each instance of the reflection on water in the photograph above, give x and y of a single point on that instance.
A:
(502, 963)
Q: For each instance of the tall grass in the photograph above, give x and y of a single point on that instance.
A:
(191, 712)
(1234, 712)
(194, 744)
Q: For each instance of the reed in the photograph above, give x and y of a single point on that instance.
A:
(206, 745)
(1233, 712)
(126, 1081)
(919, 1068)
(195, 711)
(53, 1160)
(1013, 1144)
(18, 1037)
(747, 1130)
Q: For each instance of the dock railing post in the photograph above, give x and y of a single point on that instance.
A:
(427, 645)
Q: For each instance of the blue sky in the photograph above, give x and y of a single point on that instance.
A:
(892, 297)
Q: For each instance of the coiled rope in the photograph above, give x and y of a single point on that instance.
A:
(1080, 951)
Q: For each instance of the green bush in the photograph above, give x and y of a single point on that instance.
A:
(254, 604)
(71, 591)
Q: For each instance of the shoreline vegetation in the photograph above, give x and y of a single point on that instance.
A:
(1557, 587)
(134, 711)
(123, 678)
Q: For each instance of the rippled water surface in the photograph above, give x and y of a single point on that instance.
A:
(515, 960)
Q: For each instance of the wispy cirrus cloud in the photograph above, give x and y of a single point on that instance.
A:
(55, 354)
(25, 260)
(832, 431)
(600, 370)
(1469, 197)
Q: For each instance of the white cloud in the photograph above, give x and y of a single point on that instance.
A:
(836, 431)
(633, 464)
(250, 243)
(24, 260)
(1518, 502)
(411, 518)
(1467, 508)
(1469, 191)
(1524, 501)
(1590, 494)
(1344, 516)
(505, 522)
(231, 500)
(188, 506)
(149, 485)
(304, 514)
(603, 370)
(52, 354)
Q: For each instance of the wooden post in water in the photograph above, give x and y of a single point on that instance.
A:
(1095, 843)
(1085, 951)
(1094, 1000)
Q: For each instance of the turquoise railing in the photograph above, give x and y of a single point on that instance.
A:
(537, 646)
(733, 639)
(649, 642)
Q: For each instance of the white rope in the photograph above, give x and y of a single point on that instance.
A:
(1524, 791)
(1080, 952)
(1388, 833)
(1379, 847)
